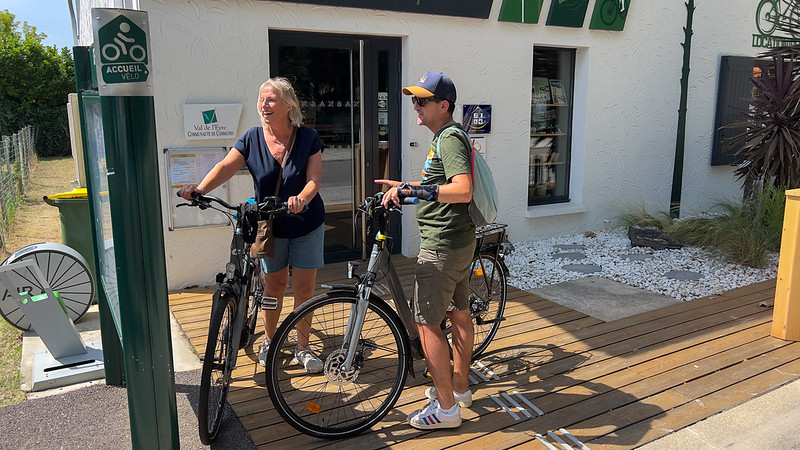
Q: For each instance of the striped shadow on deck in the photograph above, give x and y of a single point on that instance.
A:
(616, 384)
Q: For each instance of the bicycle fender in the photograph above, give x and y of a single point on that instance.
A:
(340, 287)
(504, 267)
(233, 288)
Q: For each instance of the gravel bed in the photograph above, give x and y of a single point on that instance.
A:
(532, 264)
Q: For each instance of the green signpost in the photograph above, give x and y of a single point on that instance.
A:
(118, 123)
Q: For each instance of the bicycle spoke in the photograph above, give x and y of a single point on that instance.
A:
(338, 402)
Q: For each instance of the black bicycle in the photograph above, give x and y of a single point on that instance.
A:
(365, 343)
(239, 290)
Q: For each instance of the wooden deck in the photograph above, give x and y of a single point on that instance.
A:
(615, 384)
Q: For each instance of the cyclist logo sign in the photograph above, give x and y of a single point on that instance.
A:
(121, 52)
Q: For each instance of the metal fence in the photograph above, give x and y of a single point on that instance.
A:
(15, 163)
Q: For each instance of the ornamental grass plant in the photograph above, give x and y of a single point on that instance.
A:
(742, 232)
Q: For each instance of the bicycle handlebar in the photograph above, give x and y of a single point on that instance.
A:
(372, 204)
(270, 205)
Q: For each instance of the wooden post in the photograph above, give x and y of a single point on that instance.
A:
(786, 315)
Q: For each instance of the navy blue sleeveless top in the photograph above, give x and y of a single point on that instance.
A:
(265, 169)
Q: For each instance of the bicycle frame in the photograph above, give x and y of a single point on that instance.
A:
(379, 258)
(379, 262)
(236, 276)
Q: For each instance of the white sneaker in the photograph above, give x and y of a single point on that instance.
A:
(464, 400)
(308, 360)
(432, 417)
(262, 352)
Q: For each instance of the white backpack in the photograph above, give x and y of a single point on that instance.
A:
(483, 206)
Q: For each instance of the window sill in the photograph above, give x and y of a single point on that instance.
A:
(555, 210)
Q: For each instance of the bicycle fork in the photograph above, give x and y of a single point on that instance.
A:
(358, 312)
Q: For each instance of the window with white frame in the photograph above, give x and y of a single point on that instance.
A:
(551, 125)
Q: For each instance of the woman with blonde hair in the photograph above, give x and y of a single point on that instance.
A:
(284, 156)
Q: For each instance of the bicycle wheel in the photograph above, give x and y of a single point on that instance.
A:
(336, 403)
(487, 298)
(65, 270)
(609, 11)
(767, 16)
(217, 366)
(793, 21)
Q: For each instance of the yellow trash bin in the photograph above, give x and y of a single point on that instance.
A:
(76, 228)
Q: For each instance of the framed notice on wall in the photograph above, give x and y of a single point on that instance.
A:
(189, 166)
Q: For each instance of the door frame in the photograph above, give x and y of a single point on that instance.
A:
(367, 48)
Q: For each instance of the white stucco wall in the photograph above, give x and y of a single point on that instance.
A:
(625, 102)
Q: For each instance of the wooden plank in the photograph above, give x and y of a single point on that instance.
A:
(740, 383)
(649, 356)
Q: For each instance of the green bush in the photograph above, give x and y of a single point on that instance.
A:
(35, 81)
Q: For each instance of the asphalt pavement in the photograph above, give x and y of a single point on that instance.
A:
(92, 415)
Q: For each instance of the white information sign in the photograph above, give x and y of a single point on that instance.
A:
(189, 166)
(211, 121)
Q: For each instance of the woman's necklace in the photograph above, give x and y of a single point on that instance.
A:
(279, 150)
(280, 142)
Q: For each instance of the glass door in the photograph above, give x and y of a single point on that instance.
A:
(333, 75)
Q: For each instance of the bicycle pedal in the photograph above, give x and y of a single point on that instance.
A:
(269, 303)
(416, 349)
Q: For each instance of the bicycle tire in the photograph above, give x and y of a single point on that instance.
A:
(794, 20)
(765, 11)
(334, 404)
(487, 298)
(609, 11)
(254, 292)
(217, 366)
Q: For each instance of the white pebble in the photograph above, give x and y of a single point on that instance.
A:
(531, 266)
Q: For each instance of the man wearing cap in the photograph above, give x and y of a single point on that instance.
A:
(447, 244)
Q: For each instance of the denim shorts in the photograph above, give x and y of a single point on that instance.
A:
(441, 283)
(304, 252)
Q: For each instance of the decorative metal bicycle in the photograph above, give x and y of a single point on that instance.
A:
(769, 15)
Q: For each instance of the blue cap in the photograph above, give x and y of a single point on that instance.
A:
(433, 84)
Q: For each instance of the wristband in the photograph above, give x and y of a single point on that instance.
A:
(428, 192)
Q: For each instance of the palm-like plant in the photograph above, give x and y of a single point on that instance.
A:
(768, 150)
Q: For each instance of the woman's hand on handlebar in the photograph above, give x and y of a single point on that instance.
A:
(187, 190)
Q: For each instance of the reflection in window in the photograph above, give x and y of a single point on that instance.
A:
(551, 125)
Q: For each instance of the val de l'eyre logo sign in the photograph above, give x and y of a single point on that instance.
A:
(770, 15)
(121, 51)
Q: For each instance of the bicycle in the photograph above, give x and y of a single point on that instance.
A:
(368, 346)
(239, 286)
(610, 10)
(768, 16)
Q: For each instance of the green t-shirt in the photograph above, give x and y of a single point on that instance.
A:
(445, 225)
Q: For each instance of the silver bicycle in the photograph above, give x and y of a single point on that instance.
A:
(365, 335)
